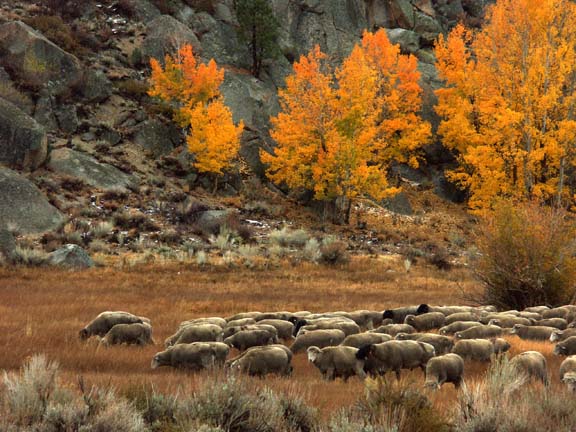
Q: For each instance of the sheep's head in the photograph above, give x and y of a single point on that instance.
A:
(432, 385)
(83, 334)
(313, 353)
(560, 349)
(556, 335)
(410, 319)
(570, 380)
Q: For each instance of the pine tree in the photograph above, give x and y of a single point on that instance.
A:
(258, 29)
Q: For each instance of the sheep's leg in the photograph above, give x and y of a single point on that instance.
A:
(397, 374)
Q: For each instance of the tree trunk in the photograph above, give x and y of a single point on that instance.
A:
(560, 183)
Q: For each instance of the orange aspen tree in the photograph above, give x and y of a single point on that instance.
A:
(339, 130)
(508, 105)
(193, 90)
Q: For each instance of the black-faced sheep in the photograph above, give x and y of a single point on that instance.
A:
(336, 362)
(447, 368)
(395, 355)
(533, 364)
(319, 338)
(102, 324)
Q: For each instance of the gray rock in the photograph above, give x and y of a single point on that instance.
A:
(399, 203)
(67, 118)
(7, 244)
(156, 137)
(35, 60)
(408, 40)
(24, 206)
(165, 35)
(85, 167)
(220, 41)
(44, 112)
(427, 27)
(71, 256)
(212, 217)
(23, 142)
(402, 13)
(145, 10)
(96, 86)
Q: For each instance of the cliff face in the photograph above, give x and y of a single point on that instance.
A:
(335, 25)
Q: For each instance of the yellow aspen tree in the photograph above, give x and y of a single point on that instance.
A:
(508, 103)
(339, 130)
(193, 90)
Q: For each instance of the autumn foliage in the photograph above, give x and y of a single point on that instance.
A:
(508, 104)
(192, 88)
(339, 130)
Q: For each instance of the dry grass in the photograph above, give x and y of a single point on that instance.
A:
(42, 311)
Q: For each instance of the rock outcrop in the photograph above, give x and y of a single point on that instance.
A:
(71, 256)
(24, 206)
(35, 60)
(23, 142)
(88, 169)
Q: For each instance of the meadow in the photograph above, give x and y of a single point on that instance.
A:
(43, 309)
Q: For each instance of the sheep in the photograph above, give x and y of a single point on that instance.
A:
(479, 332)
(361, 339)
(474, 349)
(230, 331)
(559, 323)
(221, 322)
(194, 356)
(567, 347)
(282, 316)
(530, 315)
(338, 361)
(349, 327)
(240, 322)
(500, 345)
(537, 309)
(102, 324)
(533, 365)
(509, 321)
(461, 316)
(568, 373)
(441, 344)
(443, 369)
(560, 335)
(458, 326)
(427, 321)
(567, 312)
(319, 338)
(395, 355)
(533, 332)
(263, 360)
(394, 329)
(243, 315)
(195, 333)
(245, 339)
(130, 334)
(283, 328)
(399, 314)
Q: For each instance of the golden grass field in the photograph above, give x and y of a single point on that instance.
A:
(42, 310)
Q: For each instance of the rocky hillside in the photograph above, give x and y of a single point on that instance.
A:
(87, 158)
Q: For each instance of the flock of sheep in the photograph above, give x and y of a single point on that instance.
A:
(360, 343)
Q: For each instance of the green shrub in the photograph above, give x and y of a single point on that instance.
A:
(15, 96)
(526, 256)
(333, 252)
(287, 237)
